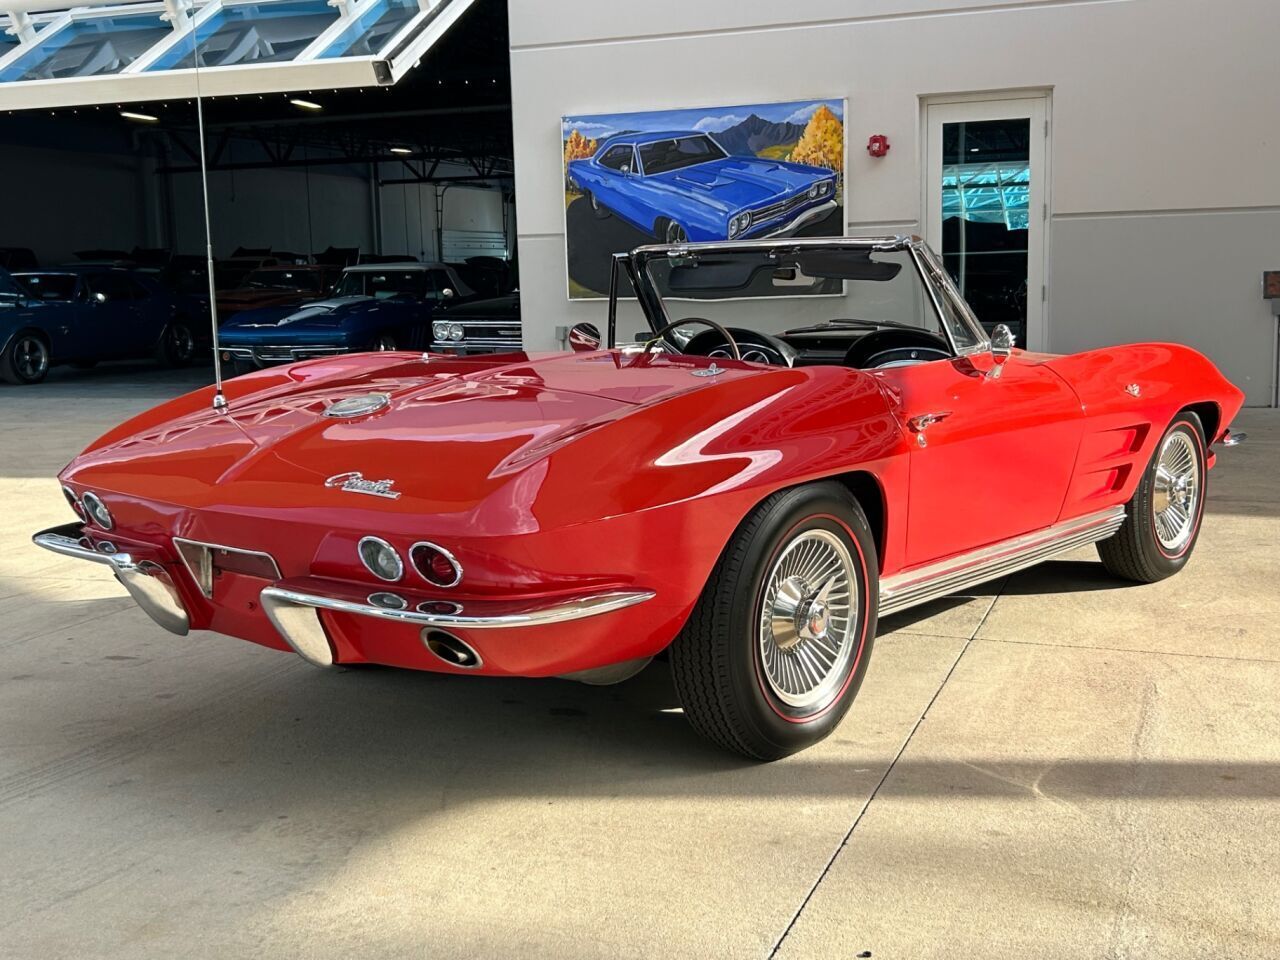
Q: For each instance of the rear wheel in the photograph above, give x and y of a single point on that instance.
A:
(776, 647)
(177, 345)
(25, 360)
(1162, 520)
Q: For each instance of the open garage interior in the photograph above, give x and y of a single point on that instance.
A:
(419, 169)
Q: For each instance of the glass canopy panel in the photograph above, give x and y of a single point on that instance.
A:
(370, 31)
(250, 33)
(88, 48)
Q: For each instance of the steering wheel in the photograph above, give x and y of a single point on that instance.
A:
(755, 347)
(896, 348)
(662, 334)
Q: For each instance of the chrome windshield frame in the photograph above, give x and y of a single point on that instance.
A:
(925, 262)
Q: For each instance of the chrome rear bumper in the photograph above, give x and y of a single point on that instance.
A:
(294, 606)
(295, 613)
(147, 582)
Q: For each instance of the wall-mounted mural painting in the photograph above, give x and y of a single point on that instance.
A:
(720, 173)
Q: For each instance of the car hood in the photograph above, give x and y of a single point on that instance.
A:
(453, 433)
(742, 181)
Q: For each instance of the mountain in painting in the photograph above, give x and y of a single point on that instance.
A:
(755, 134)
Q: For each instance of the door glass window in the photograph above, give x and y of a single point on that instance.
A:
(986, 185)
(617, 158)
(115, 286)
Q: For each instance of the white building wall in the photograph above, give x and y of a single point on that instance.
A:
(1165, 193)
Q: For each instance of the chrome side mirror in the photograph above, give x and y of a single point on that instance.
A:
(100, 298)
(584, 338)
(1001, 343)
(447, 293)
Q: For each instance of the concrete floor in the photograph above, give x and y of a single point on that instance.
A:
(1059, 766)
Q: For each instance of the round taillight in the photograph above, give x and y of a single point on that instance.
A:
(97, 510)
(75, 504)
(436, 565)
(381, 559)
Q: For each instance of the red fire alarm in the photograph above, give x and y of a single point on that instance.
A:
(878, 145)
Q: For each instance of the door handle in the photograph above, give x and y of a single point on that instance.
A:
(925, 420)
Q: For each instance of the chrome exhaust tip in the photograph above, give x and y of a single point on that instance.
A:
(452, 650)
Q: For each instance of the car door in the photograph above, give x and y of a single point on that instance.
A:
(109, 328)
(993, 445)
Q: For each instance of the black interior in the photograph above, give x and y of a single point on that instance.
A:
(850, 343)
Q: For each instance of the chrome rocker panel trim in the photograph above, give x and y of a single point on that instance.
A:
(147, 582)
(295, 614)
(935, 580)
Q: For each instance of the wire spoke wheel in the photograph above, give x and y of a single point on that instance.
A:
(1176, 496)
(808, 609)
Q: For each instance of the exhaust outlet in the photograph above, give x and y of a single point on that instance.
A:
(452, 650)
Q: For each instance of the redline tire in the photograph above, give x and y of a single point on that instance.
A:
(1147, 548)
(719, 660)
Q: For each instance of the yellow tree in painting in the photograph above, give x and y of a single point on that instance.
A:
(822, 143)
(578, 147)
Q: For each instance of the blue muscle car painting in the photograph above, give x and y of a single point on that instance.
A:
(727, 173)
(681, 186)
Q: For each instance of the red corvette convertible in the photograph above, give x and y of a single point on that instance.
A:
(808, 434)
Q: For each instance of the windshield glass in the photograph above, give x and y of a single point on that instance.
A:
(49, 286)
(800, 289)
(663, 156)
(382, 284)
(304, 280)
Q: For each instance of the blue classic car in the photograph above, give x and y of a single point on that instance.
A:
(82, 314)
(682, 186)
(376, 306)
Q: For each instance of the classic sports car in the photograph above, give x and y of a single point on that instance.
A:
(682, 186)
(82, 314)
(274, 286)
(748, 498)
(382, 306)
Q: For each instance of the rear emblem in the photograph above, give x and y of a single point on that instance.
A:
(354, 482)
(1133, 390)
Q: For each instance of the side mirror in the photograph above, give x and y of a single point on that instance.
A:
(447, 293)
(100, 298)
(1001, 344)
(584, 338)
(626, 169)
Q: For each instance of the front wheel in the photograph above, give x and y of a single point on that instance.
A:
(1162, 520)
(775, 650)
(26, 360)
(600, 211)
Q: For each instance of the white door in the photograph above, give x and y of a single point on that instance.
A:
(986, 206)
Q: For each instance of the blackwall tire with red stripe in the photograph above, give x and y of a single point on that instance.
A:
(777, 645)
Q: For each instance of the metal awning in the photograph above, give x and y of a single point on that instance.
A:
(105, 51)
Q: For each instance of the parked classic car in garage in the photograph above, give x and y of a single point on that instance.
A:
(276, 285)
(841, 440)
(682, 185)
(379, 306)
(82, 314)
(491, 325)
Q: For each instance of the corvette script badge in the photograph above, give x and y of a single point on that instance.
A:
(354, 482)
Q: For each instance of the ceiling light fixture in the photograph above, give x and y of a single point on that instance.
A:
(306, 104)
(140, 117)
(402, 150)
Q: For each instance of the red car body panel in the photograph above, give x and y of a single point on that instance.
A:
(550, 475)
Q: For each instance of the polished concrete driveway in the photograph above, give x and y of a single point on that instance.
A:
(1059, 766)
